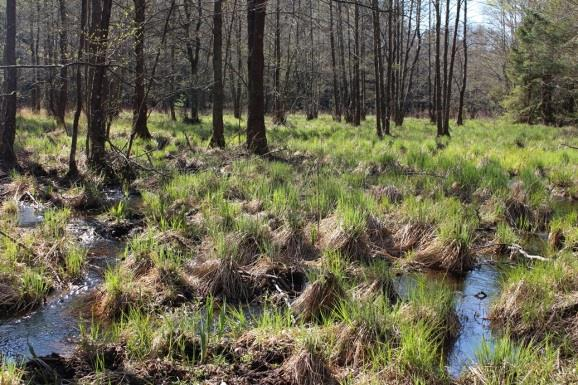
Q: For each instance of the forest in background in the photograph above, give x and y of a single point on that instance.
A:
(392, 59)
(288, 192)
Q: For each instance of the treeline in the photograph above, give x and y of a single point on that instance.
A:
(391, 58)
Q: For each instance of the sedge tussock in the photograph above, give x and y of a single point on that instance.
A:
(306, 367)
(222, 278)
(319, 298)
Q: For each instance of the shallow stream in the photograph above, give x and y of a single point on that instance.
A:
(54, 328)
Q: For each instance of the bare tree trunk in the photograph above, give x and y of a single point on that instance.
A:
(72, 167)
(460, 120)
(140, 113)
(238, 87)
(62, 81)
(256, 133)
(378, 66)
(336, 87)
(451, 71)
(356, 71)
(389, 86)
(193, 52)
(445, 81)
(172, 85)
(8, 125)
(100, 22)
(218, 138)
(278, 104)
(438, 77)
(345, 95)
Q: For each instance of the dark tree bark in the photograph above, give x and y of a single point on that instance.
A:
(460, 119)
(448, 100)
(389, 86)
(438, 78)
(140, 112)
(8, 125)
(218, 138)
(236, 79)
(100, 23)
(378, 66)
(72, 167)
(345, 95)
(336, 87)
(445, 81)
(256, 133)
(193, 46)
(62, 81)
(356, 71)
(278, 103)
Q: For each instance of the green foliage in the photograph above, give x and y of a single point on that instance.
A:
(544, 65)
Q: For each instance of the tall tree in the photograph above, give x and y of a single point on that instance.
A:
(448, 96)
(8, 124)
(99, 30)
(460, 119)
(378, 67)
(62, 88)
(218, 138)
(193, 46)
(336, 86)
(278, 104)
(438, 75)
(140, 111)
(256, 132)
(72, 167)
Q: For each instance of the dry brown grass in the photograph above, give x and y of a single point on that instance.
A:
(413, 236)
(319, 298)
(222, 278)
(449, 256)
(294, 245)
(307, 367)
(332, 236)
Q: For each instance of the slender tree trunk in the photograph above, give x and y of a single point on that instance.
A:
(336, 87)
(72, 167)
(389, 86)
(62, 82)
(460, 120)
(193, 52)
(356, 71)
(377, 63)
(256, 133)
(445, 81)
(438, 77)
(236, 77)
(218, 139)
(345, 96)
(278, 103)
(172, 85)
(101, 12)
(448, 101)
(140, 113)
(8, 125)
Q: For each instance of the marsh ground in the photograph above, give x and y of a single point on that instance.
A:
(286, 268)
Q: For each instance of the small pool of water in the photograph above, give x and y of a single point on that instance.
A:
(472, 303)
(473, 295)
(28, 215)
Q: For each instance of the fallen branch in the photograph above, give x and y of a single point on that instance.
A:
(514, 248)
(569, 146)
